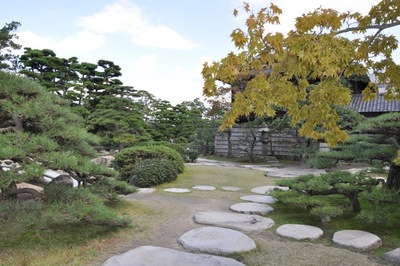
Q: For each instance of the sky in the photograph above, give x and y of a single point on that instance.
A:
(160, 45)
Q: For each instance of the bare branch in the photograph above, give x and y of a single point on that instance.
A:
(378, 27)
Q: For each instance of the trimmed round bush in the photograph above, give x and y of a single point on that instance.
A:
(127, 159)
(153, 172)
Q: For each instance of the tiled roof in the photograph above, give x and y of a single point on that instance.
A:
(377, 105)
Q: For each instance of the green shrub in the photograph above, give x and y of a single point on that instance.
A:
(191, 155)
(110, 188)
(126, 160)
(322, 162)
(153, 172)
(78, 205)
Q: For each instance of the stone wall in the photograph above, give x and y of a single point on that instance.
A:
(281, 144)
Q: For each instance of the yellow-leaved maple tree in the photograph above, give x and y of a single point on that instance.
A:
(325, 45)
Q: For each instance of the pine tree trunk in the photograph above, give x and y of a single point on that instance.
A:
(355, 203)
(393, 179)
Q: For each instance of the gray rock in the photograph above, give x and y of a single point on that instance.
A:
(357, 240)
(299, 231)
(177, 190)
(156, 256)
(215, 240)
(393, 256)
(206, 188)
(105, 160)
(259, 199)
(237, 221)
(252, 208)
(267, 189)
(63, 180)
(232, 188)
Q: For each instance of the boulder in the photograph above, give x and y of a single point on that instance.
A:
(215, 240)
(357, 240)
(299, 231)
(393, 256)
(156, 256)
(63, 180)
(104, 160)
(236, 221)
(251, 208)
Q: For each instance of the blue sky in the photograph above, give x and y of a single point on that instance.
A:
(160, 45)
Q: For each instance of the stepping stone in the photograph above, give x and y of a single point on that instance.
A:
(206, 188)
(267, 189)
(393, 256)
(215, 240)
(259, 199)
(236, 221)
(232, 188)
(252, 208)
(177, 190)
(156, 256)
(299, 231)
(357, 240)
(146, 190)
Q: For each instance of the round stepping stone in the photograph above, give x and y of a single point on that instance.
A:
(259, 199)
(215, 240)
(267, 189)
(252, 208)
(155, 256)
(232, 188)
(299, 231)
(206, 188)
(237, 221)
(177, 190)
(357, 240)
(393, 256)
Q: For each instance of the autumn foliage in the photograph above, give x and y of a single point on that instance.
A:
(324, 47)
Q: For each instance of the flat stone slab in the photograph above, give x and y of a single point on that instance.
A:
(216, 240)
(299, 231)
(393, 256)
(236, 221)
(267, 189)
(156, 256)
(146, 190)
(232, 188)
(206, 188)
(251, 208)
(177, 190)
(259, 199)
(357, 240)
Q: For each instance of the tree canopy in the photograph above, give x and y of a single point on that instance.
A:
(324, 46)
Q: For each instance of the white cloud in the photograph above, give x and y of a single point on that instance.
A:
(81, 41)
(124, 16)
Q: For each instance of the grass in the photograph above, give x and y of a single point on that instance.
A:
(71, 245)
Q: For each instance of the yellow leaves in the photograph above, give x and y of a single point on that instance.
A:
(239, 38)
(235, 13)
(369, 92)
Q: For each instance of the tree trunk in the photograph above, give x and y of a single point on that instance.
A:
(393, 179)
(353, 197)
